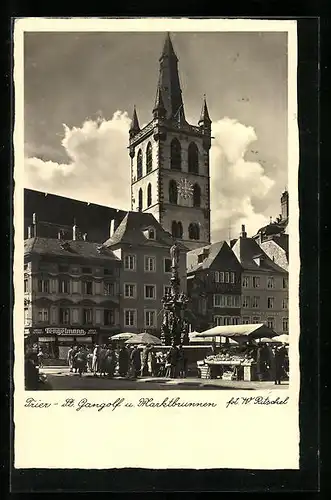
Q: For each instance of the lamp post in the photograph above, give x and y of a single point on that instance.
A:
(174, 326)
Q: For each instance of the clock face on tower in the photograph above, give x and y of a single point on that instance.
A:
(185, 188)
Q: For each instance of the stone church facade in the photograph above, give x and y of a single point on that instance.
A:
(170, 161)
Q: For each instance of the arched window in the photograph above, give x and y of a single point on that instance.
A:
(149, 158)
(139, 164)
(149, 194)
(176, 229)
(140, 200)
(175, 155)
(193, 158)
(196, 195)
(194, 231)
(173, 192)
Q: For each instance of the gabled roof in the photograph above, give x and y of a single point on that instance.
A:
(281, 240)
(247, 249)
(212, 251)
(130, 231)
(72, 248)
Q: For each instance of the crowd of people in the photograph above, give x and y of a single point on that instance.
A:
(272, 362)
(127, 361)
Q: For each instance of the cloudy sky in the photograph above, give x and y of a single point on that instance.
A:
(80, 89)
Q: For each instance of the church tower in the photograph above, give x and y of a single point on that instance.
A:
(170, 160)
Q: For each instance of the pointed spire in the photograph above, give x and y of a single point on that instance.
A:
(204, 117)
(168, 49)
(134, 128)
(168, 83)
(159, 110)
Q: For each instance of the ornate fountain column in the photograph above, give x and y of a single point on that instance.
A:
(174, 327)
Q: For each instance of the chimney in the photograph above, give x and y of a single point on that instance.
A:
(112, 228)
(284, 201)
(243, 233)
(29, 232)
(74, 232)
(34, 225)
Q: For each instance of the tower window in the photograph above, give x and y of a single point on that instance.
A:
(149, 194)
(149, 158)
(140, 198)
(193, 158)
(196, 195)
(175, 155)
(177, 229)
(194, 231)
(173, 192)
(139, 164)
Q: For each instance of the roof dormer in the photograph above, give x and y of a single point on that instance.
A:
(203, 255)
(258, 259)
(150, 233)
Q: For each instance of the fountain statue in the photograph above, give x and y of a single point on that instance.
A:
(174, 327)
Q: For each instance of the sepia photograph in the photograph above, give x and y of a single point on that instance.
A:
(156, 210)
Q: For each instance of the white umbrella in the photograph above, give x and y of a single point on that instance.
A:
(284, 338)
(144, 338)
(122, 336)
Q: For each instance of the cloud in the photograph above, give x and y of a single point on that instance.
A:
(95, 172)
(98, 171)
(237, 184)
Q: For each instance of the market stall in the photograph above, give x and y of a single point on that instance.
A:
(236, 360)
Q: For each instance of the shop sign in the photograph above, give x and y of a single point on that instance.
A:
(34, 331)
(70, 331)
(46, 339)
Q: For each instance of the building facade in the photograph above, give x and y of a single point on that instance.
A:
(274, 238)
(71, 293)
(214, 286)
(143, 247)
(170, 161)
(264, 286)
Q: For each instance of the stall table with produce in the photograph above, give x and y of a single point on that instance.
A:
(228, 367)
(233, 363)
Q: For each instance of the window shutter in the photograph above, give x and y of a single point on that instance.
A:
(53, 285)
(75, 315)
(75, 286)
(54, 315)
(98, 316)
